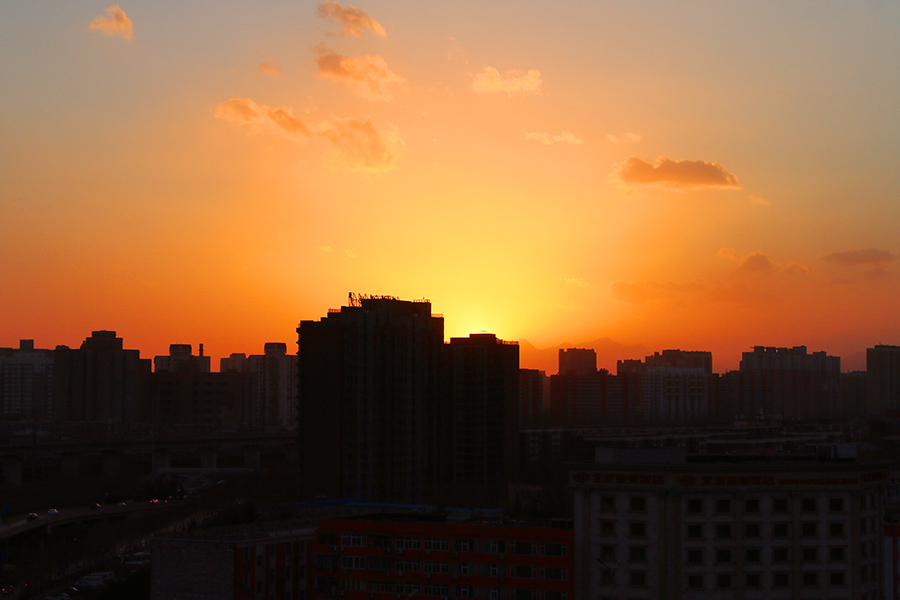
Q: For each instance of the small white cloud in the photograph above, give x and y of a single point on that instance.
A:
(325, 248)
(628, 136)
(117, 23)
(548, 139)
(350, 253)
(513, 83)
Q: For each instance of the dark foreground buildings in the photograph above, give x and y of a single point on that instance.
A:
(389, 413)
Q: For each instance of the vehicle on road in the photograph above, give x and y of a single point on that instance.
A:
(52, 512)
(32, 517)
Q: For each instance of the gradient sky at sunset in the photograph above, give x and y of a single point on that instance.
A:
(702, 175)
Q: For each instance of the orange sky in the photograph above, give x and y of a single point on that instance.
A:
(701, 175)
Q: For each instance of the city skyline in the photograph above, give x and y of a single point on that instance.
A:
(701, 176)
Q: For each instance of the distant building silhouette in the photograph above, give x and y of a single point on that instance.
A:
(532, 411)
(671, 388)
(101, 381)
(883, 379)
(26, 383)
(180, 359)
(272, 385)
(581, 361)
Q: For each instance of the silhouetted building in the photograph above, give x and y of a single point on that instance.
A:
(672, 387)
(484, 397)
(853, 393)
(593, 400)
(210, 400)
(789, 383)
(883, 379)
(372, 405)
(101, 381)
(681, 359)
(26, 383)
(581, 361)
(180, 359)
(271, 386)
(532, 411)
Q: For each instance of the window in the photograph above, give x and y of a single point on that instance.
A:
(522, 572)
(779, 505)
(246, 554)
(781, 580)
(751, 506)
(553, 573)
(695, 582)
(723, 505)
(637, 554)
(553, 549)
(694, 506)
(836, 554)
(607, 577)
(694, 556)
(607, 552)
(836, 578)
(836, 504)
(526, 548)
(607, 504)
(637, 578)
(752, 530)
(809, 530)
(779, 530)
(779, 555)
(246, 581)
(810, 579)
(438, 544)
(409, 566)
(695, 531)
(753, 555)
(723, 556)
(863, 524)
(723, 580)
(408, 543)
(754, 580)
(607, 528)
(723, 530)
(354, 539)
(810, 554)
(436, 567)
(382, 541)
(637, 529)
(469, 546)
(637, 504)
(808, 505)
(836, 529)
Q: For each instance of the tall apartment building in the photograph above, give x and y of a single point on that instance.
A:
(789, 383)
(660, 525)
(438, 557)
(372, 402)
(181, 359)
(271, 386)
(882, 379)
(581, 361)
(100, 381)
(26, 383)
(672, 387)
(483, 382)
(532, 411)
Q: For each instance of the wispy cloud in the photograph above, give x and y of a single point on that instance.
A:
(361, 146)
(549, 139)
(759, 262)
(115, 24)
(628, 136)
(367, 76)
(269, 68)
(326, 249)
(675, 174)
(350, 253)
(758, 200)
(354, 22)
(867, 257)
(576, 281)
(512, 83)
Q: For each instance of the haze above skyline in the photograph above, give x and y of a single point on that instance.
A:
(700, 175)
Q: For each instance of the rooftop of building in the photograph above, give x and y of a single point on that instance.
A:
(243, 533)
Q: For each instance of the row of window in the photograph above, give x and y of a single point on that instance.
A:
(775, 580)
(638, 504)
(331, 585)
(325, 561)
(439, 544)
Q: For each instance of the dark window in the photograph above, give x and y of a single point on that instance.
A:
(836, 554)
(607, 528)
(752, 555)
(810, 579)
(723, 556)
(607, 552)
(638, 578)
(808, 505)
(779, 554)
(810, 554)
(781, 580)
(752, 530)
(695, 506)
(779, 505)
(607, 503)
(723, 530)
(723, 505)
(695, 582)
(637, 529)
(723, 580)
(695, 531)
(754, 580)
(836, 504)
(836, 529)
(637, 504)
(637, 554)
(694, 556)
(809, 530)
(751, 505)
(779, 530)
(836, 578)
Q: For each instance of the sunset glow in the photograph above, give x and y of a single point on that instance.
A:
(695, 175)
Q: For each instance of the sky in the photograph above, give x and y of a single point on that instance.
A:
(702, 175)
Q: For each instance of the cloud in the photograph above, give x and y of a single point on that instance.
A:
(359, 144)
(368, 76)
(549, 139)
(759, 262)
(269, 68)
(758, 200)
(867, 257)
(628, 136)
(355, 22)
(675, 174)
(350, 253)
(326, 249)
(576, 281)
(114, 24)
(512, 83)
